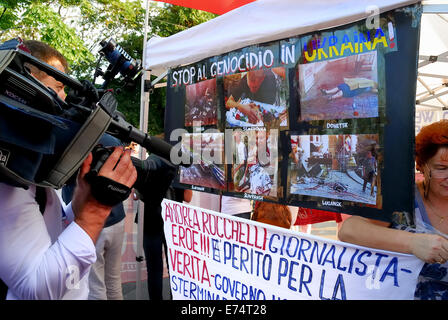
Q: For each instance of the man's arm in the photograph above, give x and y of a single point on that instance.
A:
(30, 265)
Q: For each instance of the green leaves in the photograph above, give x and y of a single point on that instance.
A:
(75, 27)
(169, 19)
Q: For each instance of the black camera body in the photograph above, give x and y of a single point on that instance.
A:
(44, 139)
(153, 175)
(120, 62)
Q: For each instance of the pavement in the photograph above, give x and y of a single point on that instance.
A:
(350, 180)
(130, 290)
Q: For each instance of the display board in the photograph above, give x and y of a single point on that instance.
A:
(321, 120)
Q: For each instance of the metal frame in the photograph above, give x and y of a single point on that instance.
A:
(441, 90)
(144, 109)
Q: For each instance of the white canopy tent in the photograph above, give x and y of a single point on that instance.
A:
(258, 22)
(269, 20)
(432, 81)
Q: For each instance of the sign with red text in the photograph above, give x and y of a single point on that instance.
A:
(213, 256)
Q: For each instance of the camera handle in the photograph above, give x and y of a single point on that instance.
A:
(124, 131)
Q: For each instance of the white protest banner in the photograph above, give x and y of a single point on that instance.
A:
(216, 256)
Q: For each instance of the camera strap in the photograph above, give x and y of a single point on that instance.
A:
(41, 198)
(3, 290)
(107, 191)
(79, 148)
(6, 57)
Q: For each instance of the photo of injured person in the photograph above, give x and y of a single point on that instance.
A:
(343, 167)
(255, 162)
(201, 103)
(344, 88)
(208, 169)
(256, 98)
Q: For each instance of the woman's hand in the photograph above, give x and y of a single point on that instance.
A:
(430, 248)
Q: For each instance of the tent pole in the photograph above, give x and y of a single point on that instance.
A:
(431, 92)
(419, 101)
(144, 109)
(435, 8)
(426, 59)
(431, 106)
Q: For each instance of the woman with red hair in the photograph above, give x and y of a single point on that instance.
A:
(427, 236)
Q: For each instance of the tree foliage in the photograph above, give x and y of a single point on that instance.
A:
(169, 19)
(75, 28)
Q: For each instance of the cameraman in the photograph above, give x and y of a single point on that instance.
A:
(40, 258)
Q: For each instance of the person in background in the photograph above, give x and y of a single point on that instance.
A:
(426, 237)
(350, 88)
(153, 233)
(236, 206)
(275, 214)
(369, 172)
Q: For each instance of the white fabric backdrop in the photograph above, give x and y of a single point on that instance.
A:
(257, 22)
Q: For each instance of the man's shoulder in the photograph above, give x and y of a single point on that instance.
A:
(11, 192)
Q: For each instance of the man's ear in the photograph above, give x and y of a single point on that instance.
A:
(32, 70)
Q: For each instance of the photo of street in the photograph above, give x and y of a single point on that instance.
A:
(342, 167)
(206, 172)
(201, 103)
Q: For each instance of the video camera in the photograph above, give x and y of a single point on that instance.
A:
(119, 62)
(44, 139)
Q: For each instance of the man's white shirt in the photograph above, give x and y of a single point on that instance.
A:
(42, 256)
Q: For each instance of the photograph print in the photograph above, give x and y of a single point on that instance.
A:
(201, 103)
(342, 167)
(256, 98)
(255, 162)
(344, 88)
(208, 168)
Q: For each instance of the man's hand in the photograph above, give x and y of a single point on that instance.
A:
(252, 111)
(231, 103)
(89, 213)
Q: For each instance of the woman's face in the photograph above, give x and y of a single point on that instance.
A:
(438, 168)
